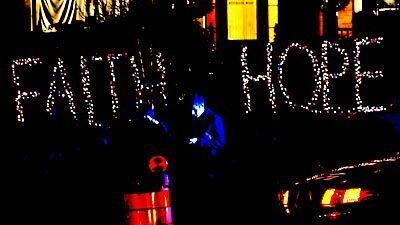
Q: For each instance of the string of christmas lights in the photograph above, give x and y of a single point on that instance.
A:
(146, 87)
(137, 81)
(160, 61)
(359, 75)
(316, 72)
(88, 92)
(23, 95)
(65, 92)
(327, 76)
(142, 75)
(111, 59)
(325, 4)
(139, 75)
(322, 78)
(267, 78)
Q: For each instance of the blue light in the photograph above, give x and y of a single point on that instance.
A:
(106, 141)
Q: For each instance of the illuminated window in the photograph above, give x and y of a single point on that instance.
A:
(345, 21)
(242, 19)
(272, 18)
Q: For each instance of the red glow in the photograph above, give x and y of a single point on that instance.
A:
(158, 164)
(321, 24)
(365, 194)
(211, 20)
(149, 208)
(333, 215)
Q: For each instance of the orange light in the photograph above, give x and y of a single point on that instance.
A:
(345, 20)
(285, 199)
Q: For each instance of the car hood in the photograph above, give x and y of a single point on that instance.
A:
(356, 173)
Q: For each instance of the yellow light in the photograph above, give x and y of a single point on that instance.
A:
(242, 19)
(272, 15)
(352, 195)
(285, 199)
(272, 2)
(358, 6)
(326, 199)
(272, 18)
(202, 21)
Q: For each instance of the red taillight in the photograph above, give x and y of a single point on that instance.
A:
(333, 197)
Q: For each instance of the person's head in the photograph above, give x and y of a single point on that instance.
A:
(198, 106)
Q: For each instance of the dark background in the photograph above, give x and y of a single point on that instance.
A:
(51, 166)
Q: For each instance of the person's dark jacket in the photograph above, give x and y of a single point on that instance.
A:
(209, 129)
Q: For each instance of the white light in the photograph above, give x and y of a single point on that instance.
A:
(360, 75)
(265, 79)
(23, 95)
(59, 73)
(310, 105)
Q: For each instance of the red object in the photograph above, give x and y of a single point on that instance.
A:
(337, 197)
(321, 24)
(158, 164)
(334, 215)
(211, 20)
(151, 208)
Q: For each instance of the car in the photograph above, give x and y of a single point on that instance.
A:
(356, 193)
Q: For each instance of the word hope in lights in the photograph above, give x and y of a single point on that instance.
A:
(321, 98)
